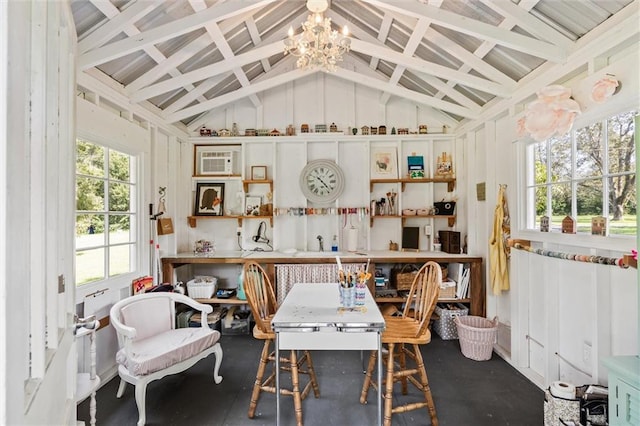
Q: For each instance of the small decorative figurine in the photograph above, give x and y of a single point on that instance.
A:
(444, 166)
(234, 130)
(422, 129)
(354, 131)
(568, 225)
(304, 128)
(333, 128)
(599, 226)
(365, 130)
(544, 224)
(382, 130)
(393, 130)
(204, 131)
(373, 130)
(291, 131)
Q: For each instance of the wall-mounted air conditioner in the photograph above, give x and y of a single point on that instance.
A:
(216, 163)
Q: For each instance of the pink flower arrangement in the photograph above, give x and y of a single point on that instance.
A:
(604, 88)
(551, 114)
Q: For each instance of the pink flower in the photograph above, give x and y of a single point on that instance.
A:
(635, 254)
(540, 120)
(603, 89)
(553, 93)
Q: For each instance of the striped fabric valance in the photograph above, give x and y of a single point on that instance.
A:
(289, 274)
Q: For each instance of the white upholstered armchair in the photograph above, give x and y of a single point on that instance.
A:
(151, 347)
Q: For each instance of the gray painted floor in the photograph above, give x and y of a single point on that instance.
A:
(466, 392)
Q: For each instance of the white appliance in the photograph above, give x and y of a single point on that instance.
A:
(216, 163)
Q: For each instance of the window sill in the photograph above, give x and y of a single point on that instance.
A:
(616, 243)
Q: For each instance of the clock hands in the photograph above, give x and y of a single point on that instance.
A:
(325, 185)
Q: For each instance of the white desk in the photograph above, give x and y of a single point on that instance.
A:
(309, 318)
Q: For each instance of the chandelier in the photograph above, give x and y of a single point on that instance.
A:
(318, 46)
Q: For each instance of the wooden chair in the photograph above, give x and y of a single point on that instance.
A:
(151, 347)
(262, 301)
(403, 336)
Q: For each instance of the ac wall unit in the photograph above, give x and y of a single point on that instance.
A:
(216, 163)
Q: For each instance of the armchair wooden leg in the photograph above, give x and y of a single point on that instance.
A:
(121, 388)
(141, 398)
(255, 395)
(217, 378)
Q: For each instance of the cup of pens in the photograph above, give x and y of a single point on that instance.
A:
(347, 289)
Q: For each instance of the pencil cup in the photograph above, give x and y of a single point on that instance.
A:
(361, 289)
(347, 296)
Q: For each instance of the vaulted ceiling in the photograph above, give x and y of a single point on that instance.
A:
(184, 58)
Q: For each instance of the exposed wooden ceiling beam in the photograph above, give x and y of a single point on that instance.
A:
(118, 49)
(110, 10)
(478, 29)
(430, 68)
(378, 84)
(243, 92)
(208, 71)
(223, 47)
(520, 17)
(116, 23)
(383, 33)
(409, 50)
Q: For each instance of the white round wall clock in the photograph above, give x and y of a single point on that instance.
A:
(322, 181)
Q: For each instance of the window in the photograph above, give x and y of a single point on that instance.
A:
(586, 173)
(105, 213)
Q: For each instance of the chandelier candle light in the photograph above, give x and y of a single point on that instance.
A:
(318, 46)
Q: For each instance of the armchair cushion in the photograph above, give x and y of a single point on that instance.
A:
(166, 349)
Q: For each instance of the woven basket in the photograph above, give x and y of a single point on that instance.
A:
(477, 336)
(405, 277)
(447, 292)
(202, 287)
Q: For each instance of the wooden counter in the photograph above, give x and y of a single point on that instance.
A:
(476, 298)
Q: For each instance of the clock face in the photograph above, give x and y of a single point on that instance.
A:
(322, 181)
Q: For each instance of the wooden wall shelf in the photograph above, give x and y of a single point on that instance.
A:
(246, 183)
(451, 182)
(451, 219)
(193, 220)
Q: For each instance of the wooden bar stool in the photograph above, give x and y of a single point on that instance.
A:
(262, 301)
(403, 336)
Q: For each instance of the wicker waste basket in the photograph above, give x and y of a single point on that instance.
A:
(477, 336)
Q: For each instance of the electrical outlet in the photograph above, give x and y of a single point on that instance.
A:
(586, 353)
(427, 230)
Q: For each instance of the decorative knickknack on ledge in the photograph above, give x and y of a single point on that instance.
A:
(551, 114)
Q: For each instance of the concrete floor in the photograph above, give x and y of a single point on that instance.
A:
(465, 392)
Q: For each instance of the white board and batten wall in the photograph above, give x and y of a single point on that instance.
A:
(560, 318)
(535, 336)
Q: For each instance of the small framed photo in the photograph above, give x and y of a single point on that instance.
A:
(209, 199)
(384, 163)
(258, 172)
(252, 205)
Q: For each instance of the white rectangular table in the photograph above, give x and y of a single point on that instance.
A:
(309, 318)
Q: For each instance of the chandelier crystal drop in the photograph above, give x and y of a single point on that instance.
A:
(318, 46)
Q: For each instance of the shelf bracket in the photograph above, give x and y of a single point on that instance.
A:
(451, 185)
(191, 220)
(451, 221)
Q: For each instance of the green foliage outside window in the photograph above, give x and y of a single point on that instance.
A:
(586, 173)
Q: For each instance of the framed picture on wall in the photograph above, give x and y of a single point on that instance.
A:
(258, 172)
(252, 205)
(209, 199)
(384, 163)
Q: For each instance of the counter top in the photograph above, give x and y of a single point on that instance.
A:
(290, 256)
